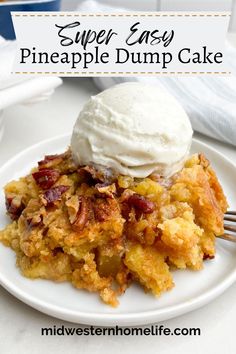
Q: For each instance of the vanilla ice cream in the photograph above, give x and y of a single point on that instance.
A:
(133, 128)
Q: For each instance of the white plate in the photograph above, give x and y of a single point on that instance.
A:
(192, 290)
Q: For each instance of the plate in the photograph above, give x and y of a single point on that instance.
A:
(192, 289)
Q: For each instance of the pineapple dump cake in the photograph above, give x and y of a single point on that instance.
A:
(101, 218)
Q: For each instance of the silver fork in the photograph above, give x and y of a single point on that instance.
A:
(231, 227)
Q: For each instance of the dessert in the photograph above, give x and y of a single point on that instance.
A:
(135, 129)
(100, 229)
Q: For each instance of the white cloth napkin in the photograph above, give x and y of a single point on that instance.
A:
(209, 101)
(94, 6)
(21, 89)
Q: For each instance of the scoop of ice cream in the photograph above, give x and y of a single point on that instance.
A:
(135, 129)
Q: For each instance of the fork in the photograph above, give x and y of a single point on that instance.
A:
(231, 227)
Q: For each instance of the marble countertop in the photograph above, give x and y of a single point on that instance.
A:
(20, 325)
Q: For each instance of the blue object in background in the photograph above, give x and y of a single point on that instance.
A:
(6, 26)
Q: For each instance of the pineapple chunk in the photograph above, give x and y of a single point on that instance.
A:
(149, 268)
(148, 188)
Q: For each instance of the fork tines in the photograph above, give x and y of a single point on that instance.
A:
(231, 227)
(230, 216)
(228, 237)
(230, 213)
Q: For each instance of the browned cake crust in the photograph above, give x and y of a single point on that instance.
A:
(100, 231)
